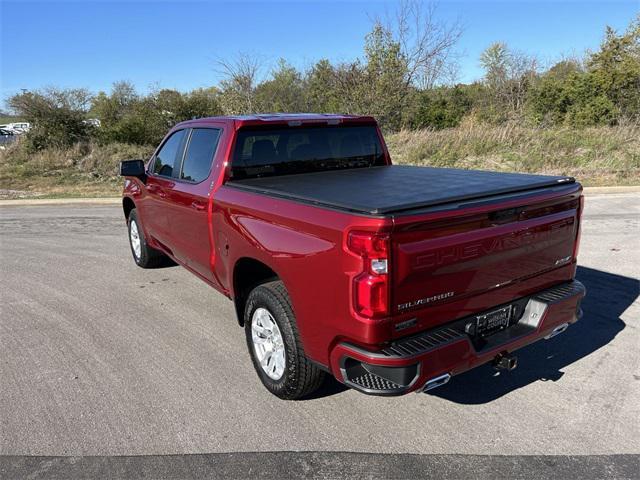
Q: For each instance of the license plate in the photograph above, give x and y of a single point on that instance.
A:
(493, 321)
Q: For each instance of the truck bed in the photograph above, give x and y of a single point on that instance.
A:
(392, 189)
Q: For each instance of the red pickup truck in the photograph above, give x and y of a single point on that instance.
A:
(390, 278)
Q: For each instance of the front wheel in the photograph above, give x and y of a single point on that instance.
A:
(143, 254)
(275, 346)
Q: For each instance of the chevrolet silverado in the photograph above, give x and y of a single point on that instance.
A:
(390, 278)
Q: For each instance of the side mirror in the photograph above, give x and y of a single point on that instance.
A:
(133, 168)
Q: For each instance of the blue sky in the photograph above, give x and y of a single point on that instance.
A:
(173, 44)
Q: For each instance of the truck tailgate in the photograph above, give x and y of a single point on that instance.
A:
(436, 261)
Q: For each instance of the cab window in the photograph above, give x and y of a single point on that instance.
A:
(197, 161)
(169, 155)
(289, 150)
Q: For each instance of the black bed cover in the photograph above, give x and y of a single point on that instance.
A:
(395, 188)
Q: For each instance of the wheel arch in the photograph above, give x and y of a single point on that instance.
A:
(248, 273)
(127, 206)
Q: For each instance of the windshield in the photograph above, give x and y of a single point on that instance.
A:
(283, 151)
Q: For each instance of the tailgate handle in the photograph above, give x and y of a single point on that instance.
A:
(504, 216)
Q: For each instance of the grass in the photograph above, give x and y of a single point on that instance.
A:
(595, 156)
(5, 118)
(86, 170)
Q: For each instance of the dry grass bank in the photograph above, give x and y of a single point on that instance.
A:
(595, 156)
(87, 170)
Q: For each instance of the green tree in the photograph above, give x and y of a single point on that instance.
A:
(508, 76)
(386, 87)
(350, 77)
(57, 116)
(495, 61)
(202, 102)
(321, 89)
(284, 92)
(616, 69)
(128, 117)
(551, 97)
(588, 102)
(607, 90)
(443, 107)
(125, 116)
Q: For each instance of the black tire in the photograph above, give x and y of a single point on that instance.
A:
(300, 377)
(149, 257)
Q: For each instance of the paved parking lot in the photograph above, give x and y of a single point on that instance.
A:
(101, 358)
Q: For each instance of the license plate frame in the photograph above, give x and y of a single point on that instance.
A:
(493, 321)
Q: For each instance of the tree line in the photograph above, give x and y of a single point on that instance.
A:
(404, 79)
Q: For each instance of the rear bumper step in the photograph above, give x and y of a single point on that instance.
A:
(413, 362)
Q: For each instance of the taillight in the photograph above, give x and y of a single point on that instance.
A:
(576, 245)
(371, 286)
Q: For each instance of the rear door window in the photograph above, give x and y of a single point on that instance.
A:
(169, 155)
(199, 156)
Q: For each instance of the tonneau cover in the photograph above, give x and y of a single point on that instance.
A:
(394, 188)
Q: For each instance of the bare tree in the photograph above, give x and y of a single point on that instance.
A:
(523, 70)
(241, 77)
(427, 43)
(508, 73)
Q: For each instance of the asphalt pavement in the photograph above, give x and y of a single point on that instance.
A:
(101, 361)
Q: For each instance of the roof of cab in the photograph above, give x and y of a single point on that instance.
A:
(279, 118)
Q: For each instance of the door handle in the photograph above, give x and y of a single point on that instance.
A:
(198, 206)
(157, 190)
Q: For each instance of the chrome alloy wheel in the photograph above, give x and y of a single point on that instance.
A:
(134, 236)
(268, 343)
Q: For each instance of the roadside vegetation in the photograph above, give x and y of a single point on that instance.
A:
(578, 116)
(82, 170)
(596, 156)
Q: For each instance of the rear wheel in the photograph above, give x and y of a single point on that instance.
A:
(275, 346)
(143, 254)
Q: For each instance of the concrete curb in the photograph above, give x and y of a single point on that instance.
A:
(621, 189)
(118, 200)
(61, 201)
(287, 465)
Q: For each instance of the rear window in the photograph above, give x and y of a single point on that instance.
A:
(283, 151)
(197, 160)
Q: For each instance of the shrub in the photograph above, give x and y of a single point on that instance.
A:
(56, 116)
(442, 107)
(606, 91)
(127, 117)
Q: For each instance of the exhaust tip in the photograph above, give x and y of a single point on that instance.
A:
(436, 382)
(557, 331)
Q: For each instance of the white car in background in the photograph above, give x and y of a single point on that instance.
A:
(7, 137)
(93, 122)
(17, 127)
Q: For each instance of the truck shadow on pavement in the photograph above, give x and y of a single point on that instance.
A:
(164, 262)
(608, 296)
